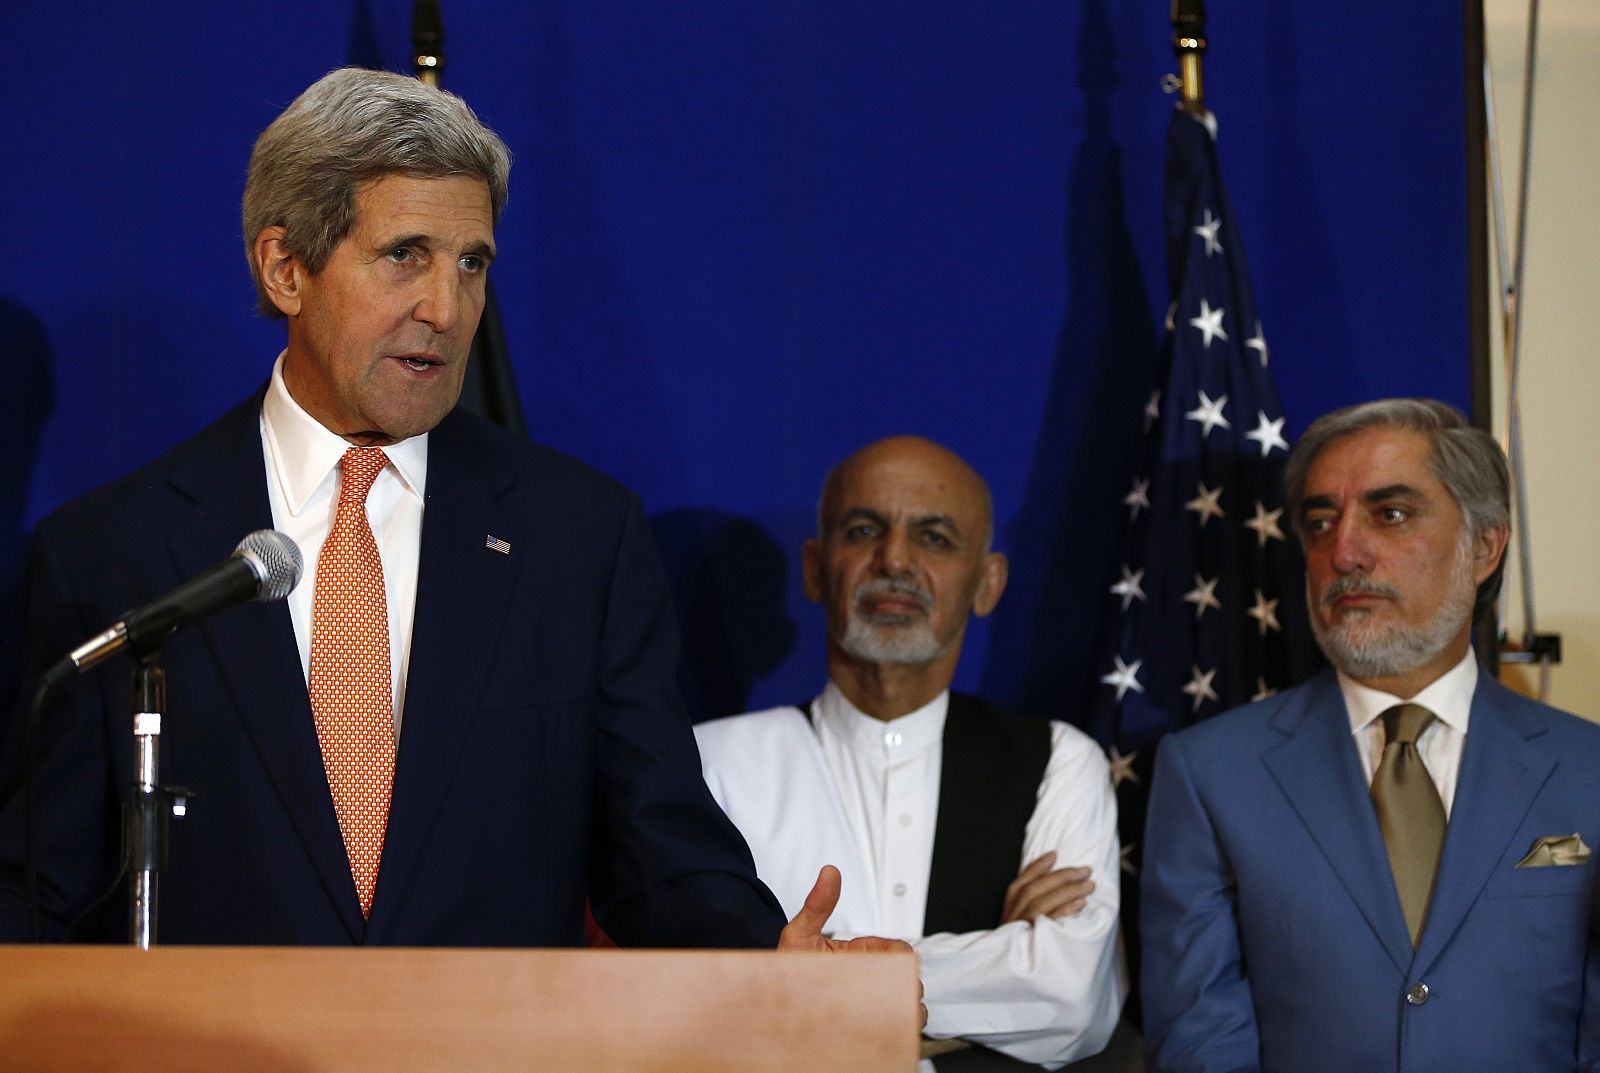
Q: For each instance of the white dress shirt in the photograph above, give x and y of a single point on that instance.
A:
(1448, 697)
(303, 479)
(863, 794)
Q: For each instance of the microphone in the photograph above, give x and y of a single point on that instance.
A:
(265, 566)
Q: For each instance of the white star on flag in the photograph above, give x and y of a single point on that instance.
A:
(1265, 524)
(1125, 677)
(1258, 343)
(1208, 231)
(1199, 686)
(1208, 412)
(1210, 323)
(1203, 595)
(1213, 450)
(1206, 503)
(1268, 434)
(1263, 691)
(1138, 499)
(1128, 588)
(1122, 768)
(1265, 612)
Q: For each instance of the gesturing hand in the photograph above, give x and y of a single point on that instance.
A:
(804, 932)
(1038, 891)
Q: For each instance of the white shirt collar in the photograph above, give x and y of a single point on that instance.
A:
(1449, 697)
(303, 453)
(858, 730)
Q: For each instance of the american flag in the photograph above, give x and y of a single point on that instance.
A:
(1206, 606)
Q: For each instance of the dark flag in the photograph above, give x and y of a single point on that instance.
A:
(1206, 606)
(489, 388)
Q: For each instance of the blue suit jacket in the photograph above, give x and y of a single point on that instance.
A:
(544, 755)
(1273, 937)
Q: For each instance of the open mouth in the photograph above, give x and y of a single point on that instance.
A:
(418, 363)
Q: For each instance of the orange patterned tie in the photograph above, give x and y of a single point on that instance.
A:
(351, 694)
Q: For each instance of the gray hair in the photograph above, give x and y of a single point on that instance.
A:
(1466, 460)
(350, 127)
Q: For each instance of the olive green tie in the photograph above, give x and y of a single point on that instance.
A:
(1410, 814)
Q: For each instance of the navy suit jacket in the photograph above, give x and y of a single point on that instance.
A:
(1273, 936)
(544, 756)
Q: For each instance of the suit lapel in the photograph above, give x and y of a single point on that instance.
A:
(254, 646)
(463, 590)
(1502, 771)
(1318, 770)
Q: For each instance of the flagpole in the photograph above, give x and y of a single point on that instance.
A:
(490, 387)
(1189, 42)
(427, 41)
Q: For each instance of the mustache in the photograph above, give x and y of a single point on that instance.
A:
(1362, 586)
(895, 587)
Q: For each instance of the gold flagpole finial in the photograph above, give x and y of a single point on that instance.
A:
(427, 41)
(1189, 42)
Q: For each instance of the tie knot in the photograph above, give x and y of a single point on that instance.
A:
(359, 467)
(1404, 723)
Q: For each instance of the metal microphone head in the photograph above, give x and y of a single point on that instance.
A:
(275, 559)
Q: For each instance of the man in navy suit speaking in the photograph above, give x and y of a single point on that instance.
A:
(1389, 867)
(463, 723)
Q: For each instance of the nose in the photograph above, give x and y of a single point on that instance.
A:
(1351, 547)
(439, 305)
(894, 553)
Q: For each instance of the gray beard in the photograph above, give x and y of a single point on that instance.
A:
(872, 643)
(895, 639)
(1364, 648)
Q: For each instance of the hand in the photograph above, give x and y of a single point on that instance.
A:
(1037, 891)
(804, 932)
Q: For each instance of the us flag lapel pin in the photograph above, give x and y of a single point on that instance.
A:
(494, 543)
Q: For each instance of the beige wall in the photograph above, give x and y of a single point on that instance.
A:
(1560, 377)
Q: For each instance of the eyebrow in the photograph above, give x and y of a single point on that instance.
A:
(1391, 491)
(861, 514)
(922, 521)
(1372, 496)
(476, 249)
(936, 519)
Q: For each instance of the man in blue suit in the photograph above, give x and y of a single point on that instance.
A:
(515, 745)
(1387, 868)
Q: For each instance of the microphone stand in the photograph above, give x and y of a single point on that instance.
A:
(149, 804)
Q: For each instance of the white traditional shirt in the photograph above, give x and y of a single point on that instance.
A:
(863, 794)
(303, 480)
(1448, 697)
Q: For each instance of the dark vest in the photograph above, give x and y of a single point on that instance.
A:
(988, 784)
(989, 779)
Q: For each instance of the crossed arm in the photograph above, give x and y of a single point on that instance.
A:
(1046, 985)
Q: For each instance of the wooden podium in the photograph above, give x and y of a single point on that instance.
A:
(295, 1010)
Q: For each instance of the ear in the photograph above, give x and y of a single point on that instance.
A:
(991, 583)
(282, 274)
(811, 569)
(1487, 550)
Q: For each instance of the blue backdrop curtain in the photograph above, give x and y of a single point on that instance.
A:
(744, 239)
